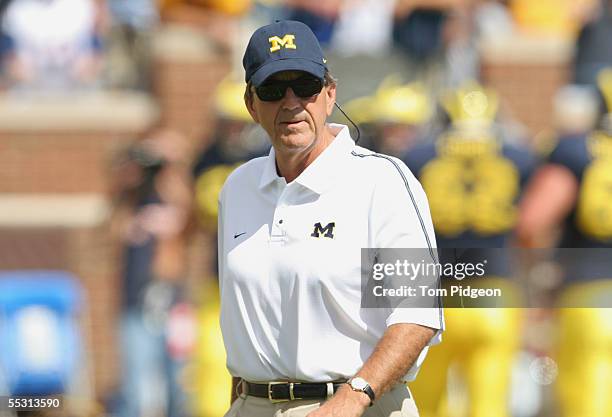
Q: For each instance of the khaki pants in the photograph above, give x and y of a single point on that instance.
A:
(396, 403)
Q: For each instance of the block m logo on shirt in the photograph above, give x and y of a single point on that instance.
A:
(327, 231)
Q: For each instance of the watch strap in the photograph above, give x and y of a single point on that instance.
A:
(370, 392)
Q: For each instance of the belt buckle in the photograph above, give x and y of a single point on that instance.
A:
(272, 400)
(291, 395)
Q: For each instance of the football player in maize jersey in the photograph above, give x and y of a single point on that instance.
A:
(235, 141)
(574, 189)
(473, 178)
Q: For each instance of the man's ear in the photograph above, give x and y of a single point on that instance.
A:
(330, 92)
(248, 102)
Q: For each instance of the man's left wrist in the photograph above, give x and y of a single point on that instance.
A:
(363, 387)
(363, 399)
(355, 397)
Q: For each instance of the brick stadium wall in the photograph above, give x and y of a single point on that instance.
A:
(188, 68)
(64, 145)
(527, 73)
(57, 162)
(528, 91)
(92, 256)
(53, 179)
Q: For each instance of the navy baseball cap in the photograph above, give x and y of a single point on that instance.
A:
(284, 45)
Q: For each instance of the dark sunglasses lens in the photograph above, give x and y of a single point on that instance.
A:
(271, 92)
(307, 87)
(302, 87)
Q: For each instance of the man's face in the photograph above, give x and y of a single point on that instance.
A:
(293, 123)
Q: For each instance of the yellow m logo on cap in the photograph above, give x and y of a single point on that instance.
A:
(286, 41)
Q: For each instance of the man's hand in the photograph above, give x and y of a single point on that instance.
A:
(393, 356)
(344, 403)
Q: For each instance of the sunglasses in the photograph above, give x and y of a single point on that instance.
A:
(303, 87)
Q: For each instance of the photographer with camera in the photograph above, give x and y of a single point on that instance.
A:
(152, 205)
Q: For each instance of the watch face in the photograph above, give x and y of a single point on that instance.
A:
(359, 384)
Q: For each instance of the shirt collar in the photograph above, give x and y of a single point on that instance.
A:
(319, 175)
(269, 174)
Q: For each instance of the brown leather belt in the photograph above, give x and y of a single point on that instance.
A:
(287, 391)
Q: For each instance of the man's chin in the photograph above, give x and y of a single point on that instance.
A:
(295, 141)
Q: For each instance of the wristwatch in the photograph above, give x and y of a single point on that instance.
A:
(361, 385)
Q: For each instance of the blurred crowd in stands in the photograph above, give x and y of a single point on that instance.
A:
(84, 44)
(396, 61)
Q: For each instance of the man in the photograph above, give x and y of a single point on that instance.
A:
(151, 219)
(291, 229)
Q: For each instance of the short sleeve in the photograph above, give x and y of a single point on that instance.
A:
(400, 218)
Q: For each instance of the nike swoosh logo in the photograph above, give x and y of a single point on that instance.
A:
(238, 235)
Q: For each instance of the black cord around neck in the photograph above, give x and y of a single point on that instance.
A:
(349, 119)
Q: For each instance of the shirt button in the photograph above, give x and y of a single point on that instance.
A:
(280, 221)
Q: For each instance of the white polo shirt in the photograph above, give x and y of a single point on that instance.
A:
(290, 301)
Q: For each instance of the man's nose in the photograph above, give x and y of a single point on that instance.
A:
(291, 101)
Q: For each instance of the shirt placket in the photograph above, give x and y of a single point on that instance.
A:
(279, 223)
